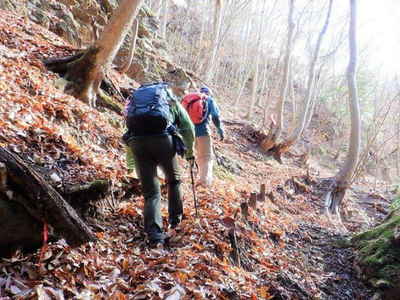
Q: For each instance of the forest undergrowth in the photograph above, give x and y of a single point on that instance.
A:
(279, 248)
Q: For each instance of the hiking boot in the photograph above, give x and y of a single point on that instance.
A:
(174, 222)
(155, 238)
(156, 243)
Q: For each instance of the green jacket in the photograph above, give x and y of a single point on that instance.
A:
(184, 126)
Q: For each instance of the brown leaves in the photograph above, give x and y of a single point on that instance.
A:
(30, 103)
(52, 128)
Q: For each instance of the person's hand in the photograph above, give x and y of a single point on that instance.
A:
(191, 160)
(221, 134)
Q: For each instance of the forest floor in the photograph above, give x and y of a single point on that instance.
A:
(280, 248)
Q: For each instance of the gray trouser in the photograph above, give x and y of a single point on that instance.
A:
(150, 152)
(204, 154)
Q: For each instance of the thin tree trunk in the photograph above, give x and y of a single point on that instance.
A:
(243, 65)
(219, 5)
(263, 85)
(132, 47)
(254, 87)
(165, 6)
(275, 132)
(157, 8)
(398, 152)
(316, 93)
(199, 44)
(292, 97)
(345, 175)
(220, 40)
(297, 132)
(270, 92)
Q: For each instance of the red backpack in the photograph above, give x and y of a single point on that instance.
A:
(196, 106)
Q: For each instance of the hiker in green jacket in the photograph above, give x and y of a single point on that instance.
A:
(152, 148)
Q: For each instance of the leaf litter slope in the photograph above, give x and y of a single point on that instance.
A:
(280, 243)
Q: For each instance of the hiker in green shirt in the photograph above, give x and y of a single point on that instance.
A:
(154, 146)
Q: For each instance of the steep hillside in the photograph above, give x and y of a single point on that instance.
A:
(40, 121)
(280, 246)
(236, 249)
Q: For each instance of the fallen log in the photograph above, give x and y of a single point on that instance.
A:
(41, 201)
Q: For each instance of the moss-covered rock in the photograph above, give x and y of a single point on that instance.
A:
(379, 253)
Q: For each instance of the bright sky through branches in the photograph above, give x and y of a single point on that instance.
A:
(379, 30)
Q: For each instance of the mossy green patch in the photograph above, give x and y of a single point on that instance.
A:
(379, 256)
(109, 103)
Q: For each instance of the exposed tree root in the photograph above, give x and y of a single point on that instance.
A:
(85, 79)
(333, 198)
(80, 70)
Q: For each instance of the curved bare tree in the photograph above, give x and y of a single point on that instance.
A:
(298, 131)
(343, 179)
(276, 129)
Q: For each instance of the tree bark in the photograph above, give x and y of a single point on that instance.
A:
(219, 6)
(254, 99)
(276, 131)
(26, 187)
(345, 175)
(243, 62)
(132, 48)
(165, 7)
(254, 87)
(88, 70)
(297, 132)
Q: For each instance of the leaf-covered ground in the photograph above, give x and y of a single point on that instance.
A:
(285, 245)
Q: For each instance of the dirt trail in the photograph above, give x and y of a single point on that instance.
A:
(285, 244)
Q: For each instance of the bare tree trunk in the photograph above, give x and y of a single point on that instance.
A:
(345, 175)
(219, 5)
(157, 8)
(132, 48)
(292, 97)
(197, 65)
(263, 85)
(165, 7)
(316, 93)
(259, 100)
(254, 87)
(398, 152)
(297, 132)
(243, 64)
(275, 132)
(87, 71)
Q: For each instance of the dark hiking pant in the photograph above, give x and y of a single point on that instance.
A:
(150, 152)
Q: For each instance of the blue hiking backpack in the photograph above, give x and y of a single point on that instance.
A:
(148, 111)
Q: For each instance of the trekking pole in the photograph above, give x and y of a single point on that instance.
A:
(194, 190)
